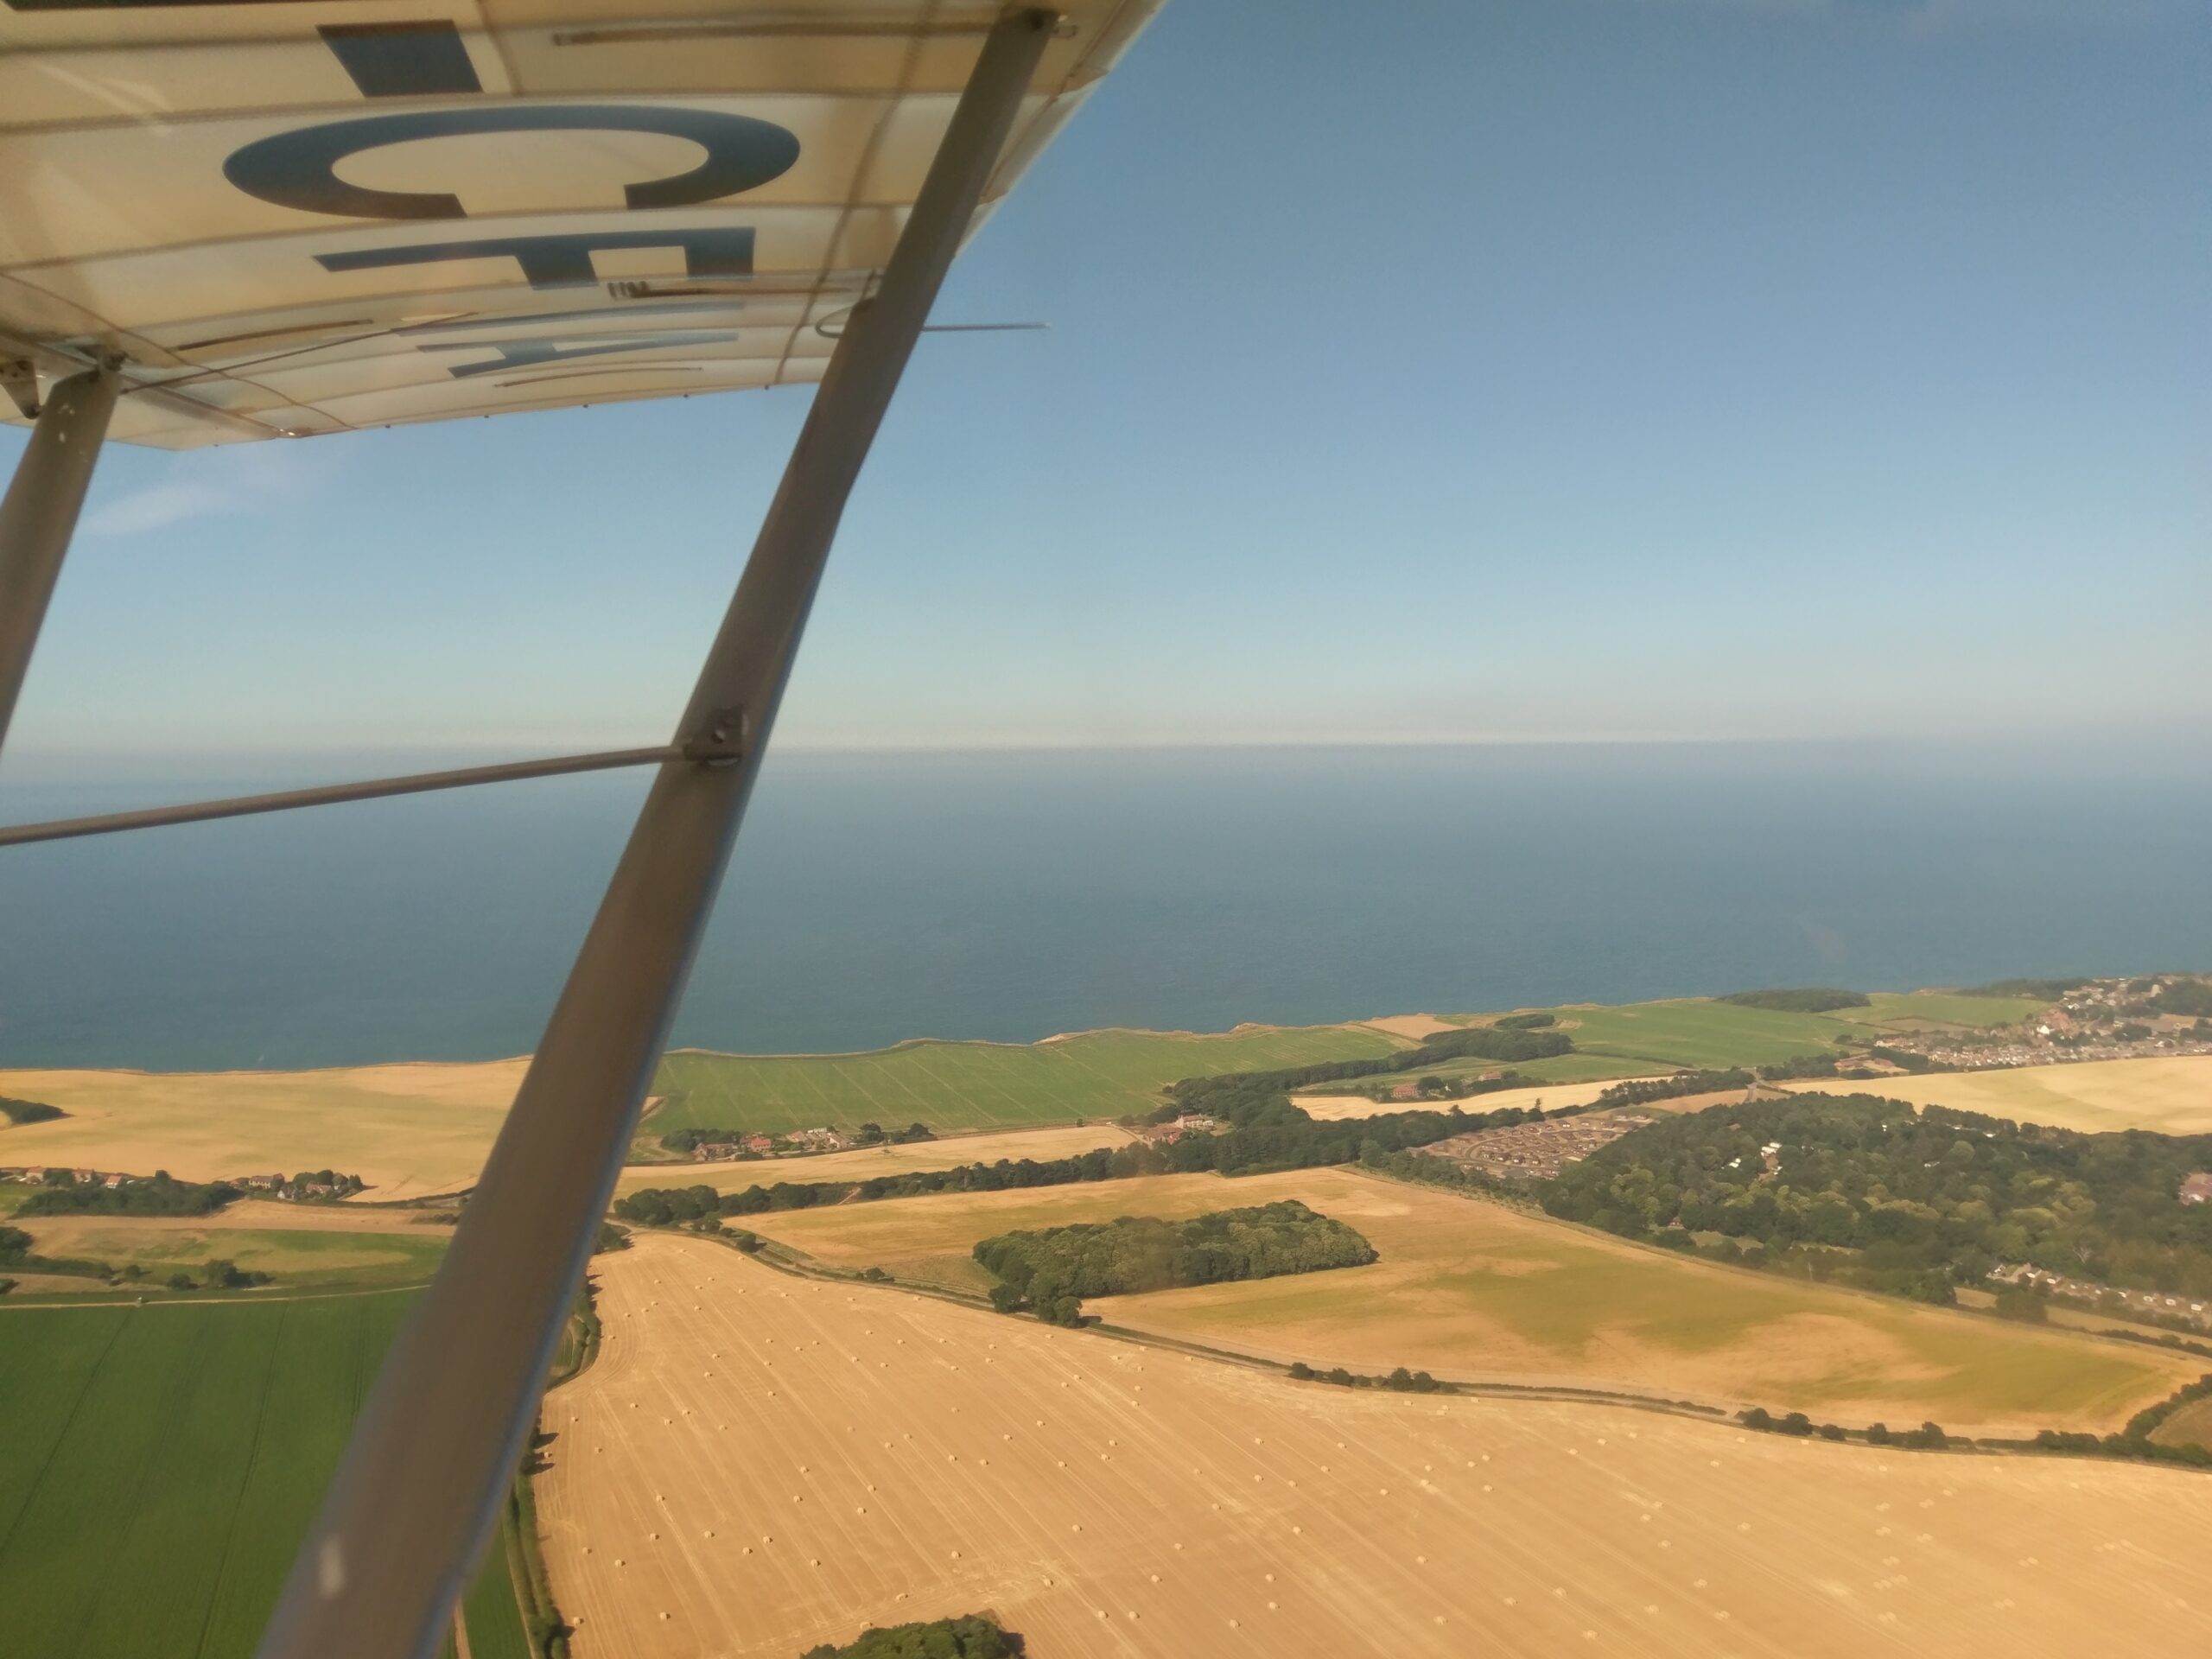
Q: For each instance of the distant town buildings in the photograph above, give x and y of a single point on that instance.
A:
(798, 1143)
(1537, 1150)
(2148, 1303)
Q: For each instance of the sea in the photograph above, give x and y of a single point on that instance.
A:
(878, 897)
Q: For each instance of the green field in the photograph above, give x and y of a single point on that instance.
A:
(1111, 1073)
(1918, 1009)
(1701, 1034)
(978, 1085)
(159, 1465)
(1695, 1031)
(295, 1260)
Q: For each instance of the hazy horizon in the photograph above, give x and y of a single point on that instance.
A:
(874, 899)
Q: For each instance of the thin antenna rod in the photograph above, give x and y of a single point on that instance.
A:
(375, 789)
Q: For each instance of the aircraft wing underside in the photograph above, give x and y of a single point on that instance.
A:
(293, 219)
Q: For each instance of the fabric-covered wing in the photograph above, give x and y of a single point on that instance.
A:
(295, 217)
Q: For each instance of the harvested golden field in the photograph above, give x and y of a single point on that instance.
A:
(1550, 1097)
(2190, 1426)
(2171, 1095)
(1476, 1291)
(757, 1464)
(408, 1130)
(1065, 1142)
(1411, 1026)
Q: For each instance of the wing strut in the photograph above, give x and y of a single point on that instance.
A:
(422, 1479)
(39, 515)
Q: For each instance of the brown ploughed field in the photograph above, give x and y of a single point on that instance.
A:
(758, 1463)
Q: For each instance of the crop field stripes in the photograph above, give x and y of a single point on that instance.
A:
(223, 1566)
(54, 1446)
(161, 1460)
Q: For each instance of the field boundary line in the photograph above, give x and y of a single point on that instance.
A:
(248, 1301)
(46, 1463)
(245, 1480)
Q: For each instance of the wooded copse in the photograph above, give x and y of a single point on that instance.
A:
(972, 1636)
(1054, 1269)
(1639, 1091)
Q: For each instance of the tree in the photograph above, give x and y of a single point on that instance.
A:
(181, 1281)
(2016, 1302)
(974, 1637)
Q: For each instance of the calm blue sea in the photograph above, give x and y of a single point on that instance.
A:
(1010, 896)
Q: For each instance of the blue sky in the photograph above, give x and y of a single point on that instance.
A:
(1436, 371)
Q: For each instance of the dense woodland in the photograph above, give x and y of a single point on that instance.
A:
(1053, 1269)
(973, 1637)
(29, 1111)
(1870, 1191)
(1639, 1091)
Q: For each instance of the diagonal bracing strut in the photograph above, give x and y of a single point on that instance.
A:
(39, 514)
(439, 1436)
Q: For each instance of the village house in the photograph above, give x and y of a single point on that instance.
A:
(2197, 1188)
